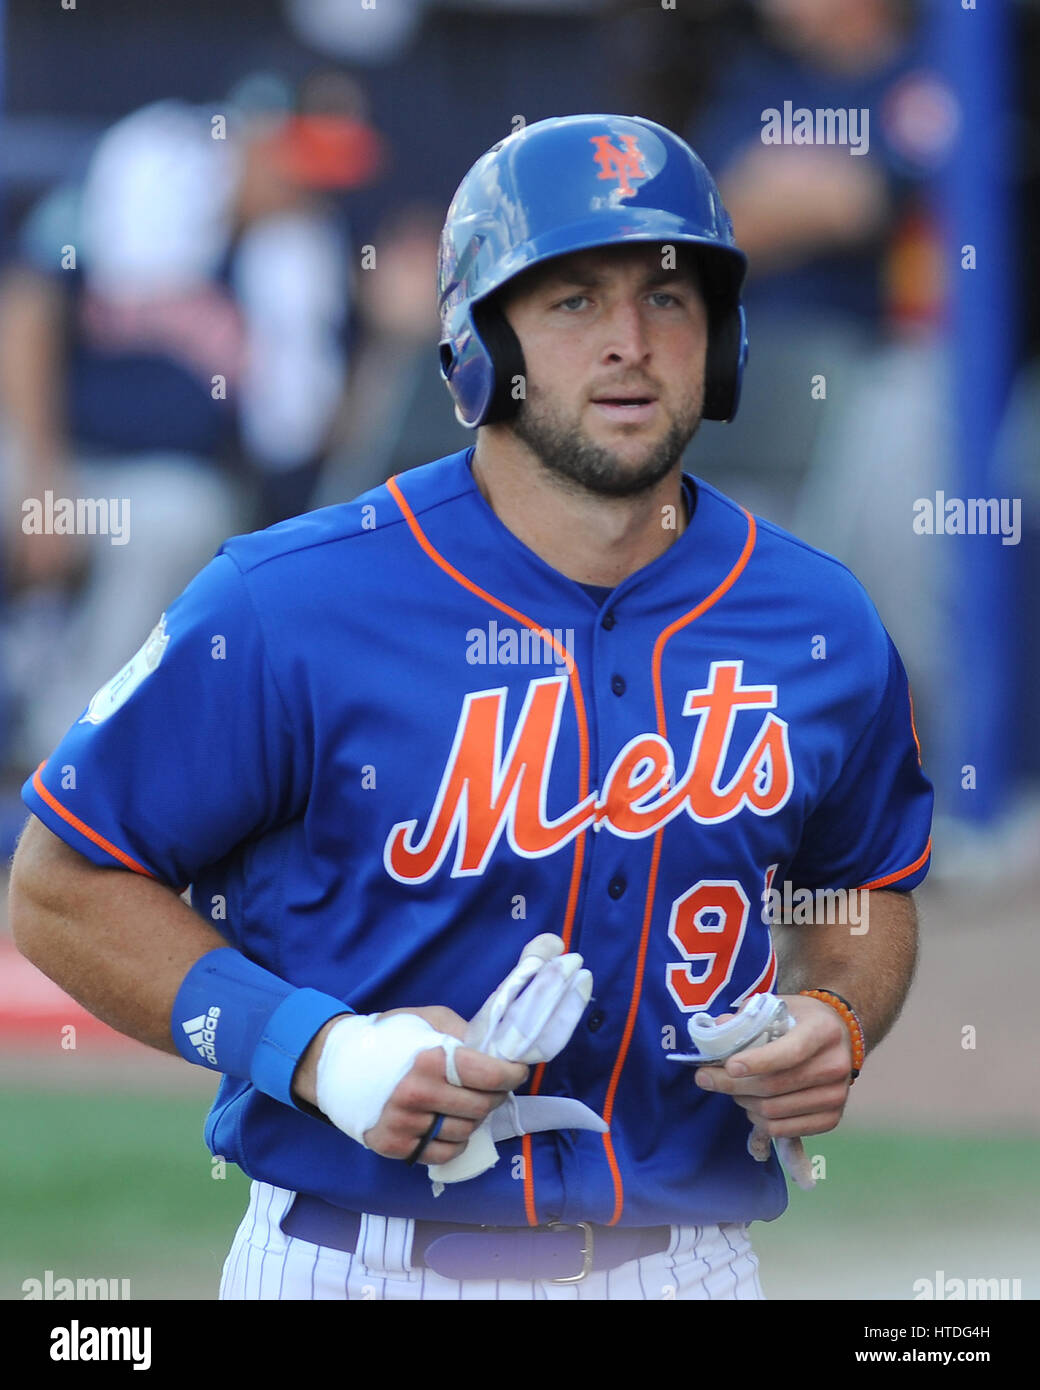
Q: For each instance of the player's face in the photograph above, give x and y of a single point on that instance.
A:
(614, 347)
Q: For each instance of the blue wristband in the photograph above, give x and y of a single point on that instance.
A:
(234, 1016)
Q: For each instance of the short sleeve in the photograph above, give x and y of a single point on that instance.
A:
(186, 752)
(872, 828)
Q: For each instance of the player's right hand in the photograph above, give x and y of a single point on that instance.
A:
(383, 1080)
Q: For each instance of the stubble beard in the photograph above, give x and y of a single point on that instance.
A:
(567, 452)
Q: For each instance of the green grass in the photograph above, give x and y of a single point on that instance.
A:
(907, 1178)
(97, 1185)
(103, 1186)
(897, 1207)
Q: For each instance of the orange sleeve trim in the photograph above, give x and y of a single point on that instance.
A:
(567, 929)
(637, 985)
(899, 873)
(83, 828)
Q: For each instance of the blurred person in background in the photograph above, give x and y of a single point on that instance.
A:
(172, 340)
(842, 256)
(396, 414)
(842, 423)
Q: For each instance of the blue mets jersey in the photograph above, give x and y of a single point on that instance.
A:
(386, 745)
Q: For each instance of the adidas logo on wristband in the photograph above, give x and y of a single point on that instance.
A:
(202, 1032)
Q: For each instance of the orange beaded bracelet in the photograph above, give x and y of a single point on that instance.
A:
(850, 1019)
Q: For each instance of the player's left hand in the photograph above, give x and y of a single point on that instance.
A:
(796, 1085)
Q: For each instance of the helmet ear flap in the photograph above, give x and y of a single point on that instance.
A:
(724, 365)
(506, 357)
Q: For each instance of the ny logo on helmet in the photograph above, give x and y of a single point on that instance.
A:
(619, 164)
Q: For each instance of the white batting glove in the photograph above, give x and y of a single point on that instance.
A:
(529, 1018)
(761, 1019)
(535, 1010)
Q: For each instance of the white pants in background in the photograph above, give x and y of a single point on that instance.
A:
(180, 510)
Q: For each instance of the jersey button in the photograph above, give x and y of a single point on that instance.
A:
(616, 887)
(608, 621)
(595, 1021)
(617, 684)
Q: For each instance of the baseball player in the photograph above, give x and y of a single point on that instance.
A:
(483, 784)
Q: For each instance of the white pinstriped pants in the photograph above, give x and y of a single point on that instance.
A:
(702, 1262)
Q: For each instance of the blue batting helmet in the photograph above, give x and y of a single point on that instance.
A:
(568, 184)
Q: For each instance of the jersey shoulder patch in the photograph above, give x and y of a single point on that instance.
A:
(115, 693)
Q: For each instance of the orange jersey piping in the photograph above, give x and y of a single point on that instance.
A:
(637, 985)
(913, 727)
(530, 1206)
